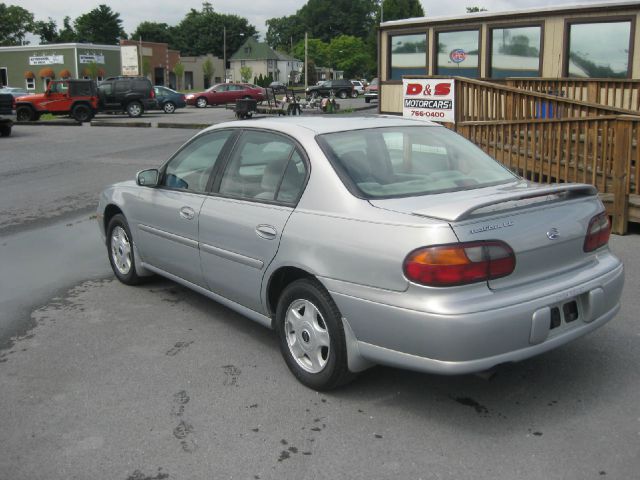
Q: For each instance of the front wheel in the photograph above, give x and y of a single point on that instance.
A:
(367, 100)
(354, 94)
(134, 109)
(121, 254)
(169, 107)
(201, 102)
(312, 337)
(342, 94)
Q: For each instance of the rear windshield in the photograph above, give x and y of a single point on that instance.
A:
(407, 161)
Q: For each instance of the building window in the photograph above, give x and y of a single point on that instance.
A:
(515, 52)
(30, 83)
(243, 63)
(408, 55)
(458, 53)
(598, 50)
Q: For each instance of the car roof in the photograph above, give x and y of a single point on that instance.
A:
(321, 124)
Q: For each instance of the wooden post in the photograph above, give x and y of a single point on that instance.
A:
(621, 164)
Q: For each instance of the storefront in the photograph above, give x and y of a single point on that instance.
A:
(33, 66)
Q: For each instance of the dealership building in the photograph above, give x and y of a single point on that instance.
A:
(33, 66)
(579, 41)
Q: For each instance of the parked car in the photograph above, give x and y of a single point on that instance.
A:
(222, 93)
(14, 91)
(74, 97)
(340, 88)
(6, 108)
(369, 241)
(371, 92)
(358, 87)
(168, 99)
(278, 87)
(132, 95)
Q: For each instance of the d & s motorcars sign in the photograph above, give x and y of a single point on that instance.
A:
(46, 60)
(428, 99)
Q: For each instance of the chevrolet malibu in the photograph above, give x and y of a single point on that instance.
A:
(367, 241)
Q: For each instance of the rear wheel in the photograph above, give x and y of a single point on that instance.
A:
(121, 255)
(169, 107)
(134, 109)
(201, 102)
(312, 337)
(5, 130)
(81, 113)
(25, 114)
(342, 94)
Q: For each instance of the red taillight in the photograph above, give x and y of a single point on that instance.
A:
(459, 263)
(153, 93)
(597, 233)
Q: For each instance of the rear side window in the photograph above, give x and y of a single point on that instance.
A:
(406, 161)
(265, 167)
(141, 86)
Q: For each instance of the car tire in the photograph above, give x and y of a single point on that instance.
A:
(25, 114)
(201, 102)
(81, 113)
(342, 94)
(121, 252)
(312, 339)
(5, 131)
(354, 94)
(134, 109)
(169, 107)
(367, 100)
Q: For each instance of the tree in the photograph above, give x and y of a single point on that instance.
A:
(154, 32)
(476, 9)
(200, 33)
(283, 31)
(67, 34)
(92, 69)
(208, 71)
(245, 73)
(178, 69)
(46, 30)
(349, 54)
(15, 23)
(326, 19)
(100, 25)
(317, 50)
(399, 9)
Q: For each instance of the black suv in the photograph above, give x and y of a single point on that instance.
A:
(132, 95)
(341, 89)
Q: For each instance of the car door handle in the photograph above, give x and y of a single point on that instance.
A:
(266, 231)
(187, 213)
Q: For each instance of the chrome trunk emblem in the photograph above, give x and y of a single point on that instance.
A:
(553, 234)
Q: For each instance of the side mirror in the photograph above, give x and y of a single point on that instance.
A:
(148, 178)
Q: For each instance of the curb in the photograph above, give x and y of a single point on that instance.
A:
(191, 126)
(50, 122)
(106, 123)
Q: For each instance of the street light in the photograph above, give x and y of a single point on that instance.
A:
(224, 50)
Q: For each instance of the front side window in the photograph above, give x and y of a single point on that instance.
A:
(266, 167)
(408, 161)
(598, 50)
(408, 55)
(191, 167)
(515, 52)
(458, 53)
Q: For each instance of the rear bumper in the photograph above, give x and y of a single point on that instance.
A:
(476, 341)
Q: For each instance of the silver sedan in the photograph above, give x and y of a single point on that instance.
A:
(367, 241)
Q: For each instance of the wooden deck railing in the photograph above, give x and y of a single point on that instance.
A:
(619, 93)
(603, 151)
(478, 100)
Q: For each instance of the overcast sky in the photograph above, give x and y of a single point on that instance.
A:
(256, 11)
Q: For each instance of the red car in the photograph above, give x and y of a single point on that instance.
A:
(225, 93)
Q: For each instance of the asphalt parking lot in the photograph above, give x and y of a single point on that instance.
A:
(104, 381)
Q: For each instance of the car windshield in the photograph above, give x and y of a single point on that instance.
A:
(407, 161)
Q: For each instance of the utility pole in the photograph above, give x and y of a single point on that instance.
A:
(306, 76)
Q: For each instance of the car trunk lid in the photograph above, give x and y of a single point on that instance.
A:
(545, 225)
